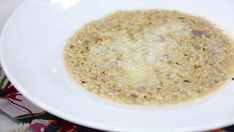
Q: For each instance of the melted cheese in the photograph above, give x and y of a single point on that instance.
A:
(138, 56)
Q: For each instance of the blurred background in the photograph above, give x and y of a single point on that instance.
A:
(6, 8)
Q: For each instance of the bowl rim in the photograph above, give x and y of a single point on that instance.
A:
(81, 121)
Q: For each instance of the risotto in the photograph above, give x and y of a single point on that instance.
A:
(150, 57)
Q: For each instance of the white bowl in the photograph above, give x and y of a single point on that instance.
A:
(31, 54)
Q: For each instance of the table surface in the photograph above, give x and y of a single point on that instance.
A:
(16, 106)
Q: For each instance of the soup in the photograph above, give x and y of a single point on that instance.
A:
(150, 57)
